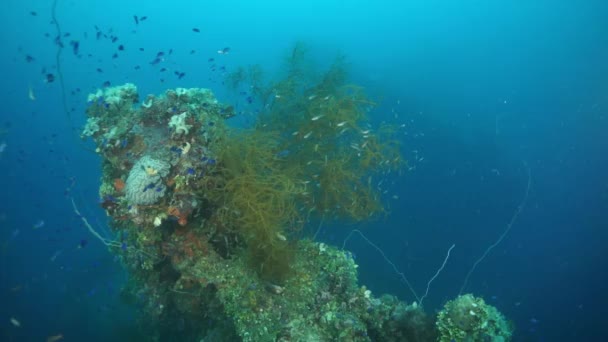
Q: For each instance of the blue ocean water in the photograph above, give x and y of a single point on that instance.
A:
(494, 96)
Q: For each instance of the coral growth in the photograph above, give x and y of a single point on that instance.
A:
(178, 123)
(468, 318)
(209, 218)
(144, 184)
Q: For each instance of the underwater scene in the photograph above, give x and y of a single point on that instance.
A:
(304, 170)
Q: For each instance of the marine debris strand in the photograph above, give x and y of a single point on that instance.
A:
(520, 207)
(399, 273)
(428, 285)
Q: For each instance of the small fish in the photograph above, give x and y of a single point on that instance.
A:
(315, 118)
(58, 41)
(29, 58)
(33, 13)
(15, 322)
(195, 29)
(136, 20)
(308, 135)
(114, 39)
(121, 47)
(110, 198)
(75, 46)
(30, 93)
(282, 154)
(99, 70)
(149, 186)
(224, 51)
(191, 171)
(49, 78)
(114, 56)
(39, 224)
(83, 243)
(340, 124)
(54, 338)
(54, 257)
(210, 60)
(3, 147)
(156, 60)
(143, 18)
(106, 84)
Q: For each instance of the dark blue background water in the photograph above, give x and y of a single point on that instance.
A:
(483, 87)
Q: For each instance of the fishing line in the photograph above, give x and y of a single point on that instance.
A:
(58, 62)
(60, 77)
(399, 273)
(507, 230)
(64, 102)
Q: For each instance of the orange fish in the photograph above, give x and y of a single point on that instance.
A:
(54, 338)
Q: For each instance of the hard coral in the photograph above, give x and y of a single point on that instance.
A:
(144, 187)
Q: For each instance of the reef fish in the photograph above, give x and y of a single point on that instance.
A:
(54, 338)
(15, 322)
(30, 93)
(39, 224)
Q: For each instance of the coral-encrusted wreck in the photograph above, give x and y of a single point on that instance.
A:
(208, 219)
